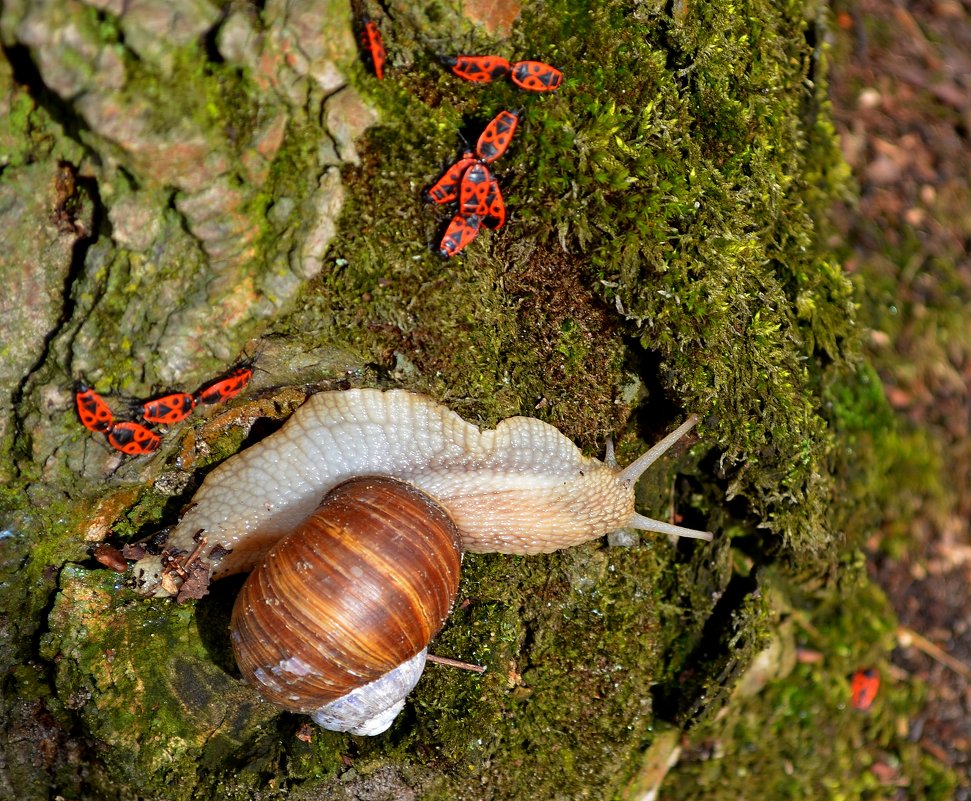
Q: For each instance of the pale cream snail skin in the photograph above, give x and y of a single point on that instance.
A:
(521, 488)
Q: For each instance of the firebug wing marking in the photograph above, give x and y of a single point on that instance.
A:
(92, 410)
(446, 188)
(535, 76)
(478, 69)
(474, 191)
(460, 232)
(132, 438)
(169, 409)
(496, 136)
(224, 388)
(495, 214)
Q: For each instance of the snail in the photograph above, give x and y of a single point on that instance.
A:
(521, 488)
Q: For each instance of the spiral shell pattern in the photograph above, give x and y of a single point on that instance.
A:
(360, 587)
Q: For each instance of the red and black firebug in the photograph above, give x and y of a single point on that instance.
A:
(222, 389)
(535, 76)
(446, 188)
(92, 410)
(474, 191)
(496, 136)
(168, 409)
(460, 232)
(373, 46)
(132, 438)
(478, 69)
(864, 688)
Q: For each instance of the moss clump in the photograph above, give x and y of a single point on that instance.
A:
(692, 183)
(581, 625)
(152, 689)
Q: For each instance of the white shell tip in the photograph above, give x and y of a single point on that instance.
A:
(372, 708)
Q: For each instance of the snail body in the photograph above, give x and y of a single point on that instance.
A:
(520, 488)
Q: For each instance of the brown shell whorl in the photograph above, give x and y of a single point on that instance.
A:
(361, 586)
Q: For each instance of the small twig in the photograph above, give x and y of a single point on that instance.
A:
(171, 563)
(802, 620)
(455, 663)
(907, 637)
(197, 552)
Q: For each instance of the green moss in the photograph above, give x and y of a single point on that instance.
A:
(889, 471)
(564, 629)
(16, 129)
(675, 168)
(691, 195)
(149, 689)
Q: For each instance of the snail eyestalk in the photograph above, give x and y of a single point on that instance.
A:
(642, 523)
(639, 466)
(630, 474)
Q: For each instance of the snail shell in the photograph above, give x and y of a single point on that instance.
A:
(520, 488)
(354, 594)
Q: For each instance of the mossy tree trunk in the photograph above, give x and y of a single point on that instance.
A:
(187, 184)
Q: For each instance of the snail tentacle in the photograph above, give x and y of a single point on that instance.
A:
(642, 523)
(635, 470)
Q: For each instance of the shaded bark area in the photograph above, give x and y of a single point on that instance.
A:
(187, 185)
